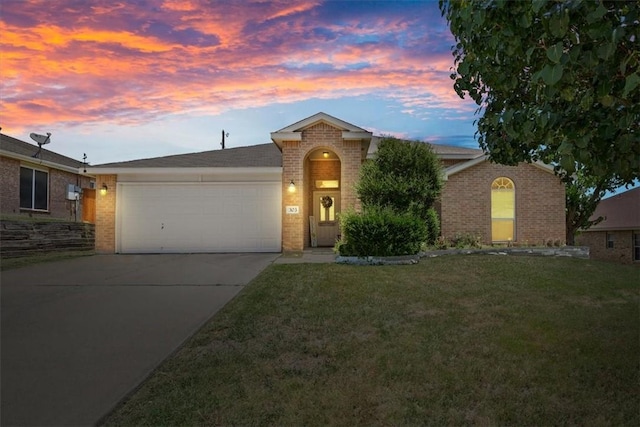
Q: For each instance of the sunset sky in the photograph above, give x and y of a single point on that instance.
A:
(122, 80)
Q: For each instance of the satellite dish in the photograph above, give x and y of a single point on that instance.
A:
(41, 139)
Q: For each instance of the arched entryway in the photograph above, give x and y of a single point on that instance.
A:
(323, 204)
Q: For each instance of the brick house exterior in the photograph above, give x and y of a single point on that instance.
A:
(61, 171)
(617, 237)
(319, 158)
(303, 146)
(539, 194)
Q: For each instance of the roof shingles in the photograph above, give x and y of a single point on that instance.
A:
(263, 155)
(620, 212)
(13, 145)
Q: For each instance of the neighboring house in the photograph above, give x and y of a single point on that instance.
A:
(43, 183)
(617, 236)
(261, 198)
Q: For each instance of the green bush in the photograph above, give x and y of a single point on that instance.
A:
(380, 232)
(404, 176)
(433, 226)
(466, 240)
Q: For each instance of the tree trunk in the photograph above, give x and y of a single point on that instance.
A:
(570, 228)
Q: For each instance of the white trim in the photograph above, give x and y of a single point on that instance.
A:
(45, 163)
(280, 137)
(31, 165)
(183, 171)
(321, 117)
(35, 168)
(452, 170)
(294, 132)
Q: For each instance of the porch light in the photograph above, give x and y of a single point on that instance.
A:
(103, 190)
(292, 187)
(325, 154)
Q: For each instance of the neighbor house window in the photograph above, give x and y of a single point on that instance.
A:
(636, 246)
(34, 189)
(610, 240)
(503, 210)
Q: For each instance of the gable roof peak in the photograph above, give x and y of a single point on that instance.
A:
(294, 132)
(321, 117)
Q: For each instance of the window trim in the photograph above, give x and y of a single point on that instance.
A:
(33, 169)
(513, 220)
(609, 241)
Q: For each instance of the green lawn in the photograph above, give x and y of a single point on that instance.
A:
(24, 261)
(489, 340)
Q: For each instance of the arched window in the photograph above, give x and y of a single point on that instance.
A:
(503, 210)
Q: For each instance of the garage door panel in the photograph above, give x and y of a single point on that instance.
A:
(206, 217)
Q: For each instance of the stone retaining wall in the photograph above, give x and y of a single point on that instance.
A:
(24, 238)
(565, 251)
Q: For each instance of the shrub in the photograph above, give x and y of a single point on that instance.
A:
(466, 240)
(404, 176)
(380, 232)
(433, 226)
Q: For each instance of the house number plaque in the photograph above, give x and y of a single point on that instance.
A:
(293, 210)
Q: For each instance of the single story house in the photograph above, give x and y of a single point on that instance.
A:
(617, 236)
(40, 183)
(261, 198)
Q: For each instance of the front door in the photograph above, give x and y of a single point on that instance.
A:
(88, 205)
(326, 206)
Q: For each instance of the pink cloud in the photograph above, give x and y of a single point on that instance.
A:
(115, 62)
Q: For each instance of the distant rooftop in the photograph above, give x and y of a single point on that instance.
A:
(621, 212)
(16, 146)
(443, 151)
(263, 155)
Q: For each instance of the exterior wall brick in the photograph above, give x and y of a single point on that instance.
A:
(106, 214)
(9, 186)
(59, 206)
(295, 166)
(540, 203)
(621, 252)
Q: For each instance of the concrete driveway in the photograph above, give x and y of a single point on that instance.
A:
(78, 335)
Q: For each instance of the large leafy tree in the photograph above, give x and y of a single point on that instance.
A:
(404, 176)
(583, 193)
(556, 81)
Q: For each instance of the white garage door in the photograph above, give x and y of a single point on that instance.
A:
(199, 217)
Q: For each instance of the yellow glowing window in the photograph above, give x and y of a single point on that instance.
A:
(503, 210)
(327, 183)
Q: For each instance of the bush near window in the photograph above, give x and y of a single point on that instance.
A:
(404, 176)
(397, 190)
(380, 232)
(433, 227)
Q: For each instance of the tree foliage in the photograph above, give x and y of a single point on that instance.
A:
(583, 193)
(397, 190)
(404, 176)
(555, 80)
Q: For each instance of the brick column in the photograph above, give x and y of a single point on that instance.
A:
(106, 214)
(350, 173)
(292, 224)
